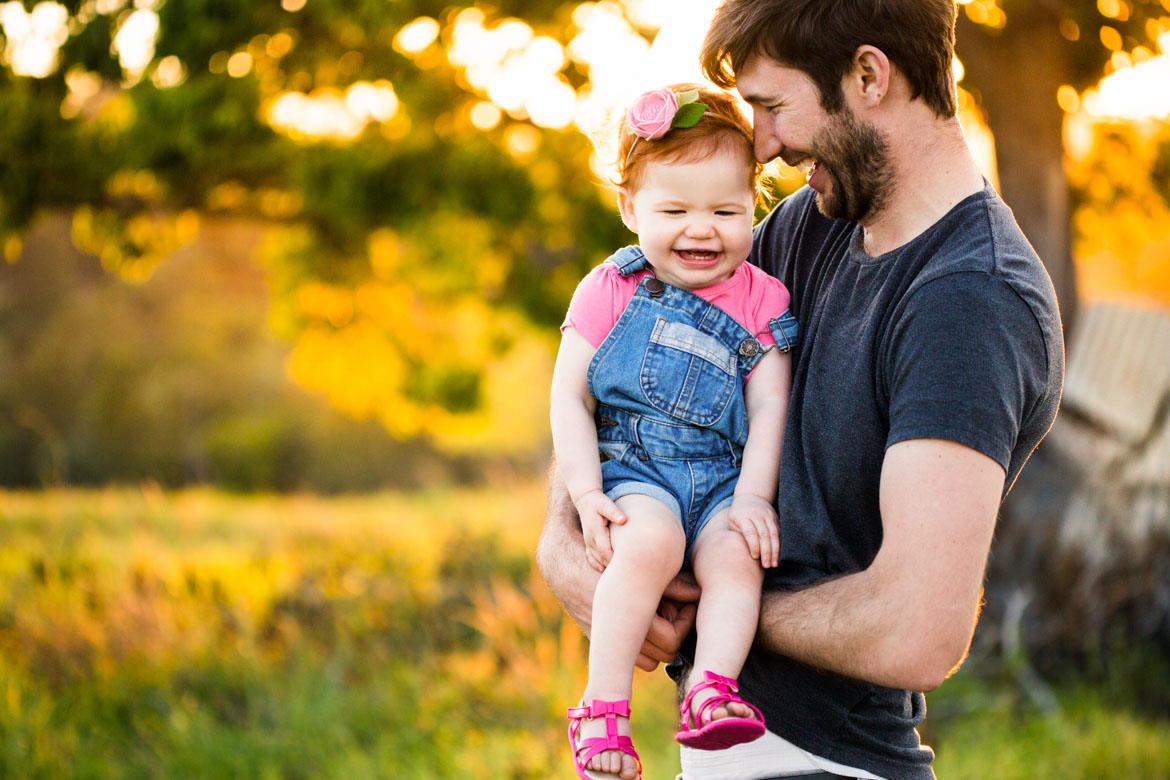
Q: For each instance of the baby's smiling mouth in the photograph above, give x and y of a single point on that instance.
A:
(697, 255)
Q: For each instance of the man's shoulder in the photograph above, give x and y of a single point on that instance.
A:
(981, 244)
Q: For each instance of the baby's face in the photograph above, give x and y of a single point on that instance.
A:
(693, 219)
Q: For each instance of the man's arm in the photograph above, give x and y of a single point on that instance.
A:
(906, 621)
(560, 554)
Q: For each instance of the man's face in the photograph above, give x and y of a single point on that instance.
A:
(845, 160)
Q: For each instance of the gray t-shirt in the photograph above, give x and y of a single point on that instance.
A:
(955, 335)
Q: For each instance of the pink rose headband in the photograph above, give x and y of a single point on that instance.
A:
(657, 111)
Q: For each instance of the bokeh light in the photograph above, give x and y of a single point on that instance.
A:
(332, 113)
(33, 38)
(170, 72)
(485, 115)
(134, 42)
(417, 36)
(239, 64)
(1137, 92)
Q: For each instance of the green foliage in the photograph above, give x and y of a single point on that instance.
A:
(177, 380)
(131, 158)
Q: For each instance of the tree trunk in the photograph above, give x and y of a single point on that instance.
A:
(1016, 72)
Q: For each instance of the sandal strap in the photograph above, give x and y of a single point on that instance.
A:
(727, 692)
(591, 746)
(599, 708)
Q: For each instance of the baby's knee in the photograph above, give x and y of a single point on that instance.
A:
(724, 554)
(653, 542)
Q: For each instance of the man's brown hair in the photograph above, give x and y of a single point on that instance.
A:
(722, 126)
(820, 37)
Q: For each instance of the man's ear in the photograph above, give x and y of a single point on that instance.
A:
(626, 207)
(869, 79)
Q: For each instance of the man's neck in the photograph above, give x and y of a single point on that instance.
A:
(933, 170)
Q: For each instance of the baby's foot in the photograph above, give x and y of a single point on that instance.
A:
(608, 764)
(731, 709)
(726, 720)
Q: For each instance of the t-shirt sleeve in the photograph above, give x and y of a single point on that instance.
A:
(769, 298)
(598, 301)
(965, 362)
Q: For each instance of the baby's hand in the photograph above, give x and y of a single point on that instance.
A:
(755, 518)
(597, 511)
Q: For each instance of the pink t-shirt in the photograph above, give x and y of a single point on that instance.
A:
(750, 296)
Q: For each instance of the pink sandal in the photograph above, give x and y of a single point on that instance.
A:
(594, 745)
(722, 733)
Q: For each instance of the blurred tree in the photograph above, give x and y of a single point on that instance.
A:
(419, 255)
(1017, 55)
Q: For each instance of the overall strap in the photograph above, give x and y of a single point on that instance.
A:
(785, 331)
(628, 260)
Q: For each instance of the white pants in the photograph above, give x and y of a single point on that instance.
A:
(767, 757)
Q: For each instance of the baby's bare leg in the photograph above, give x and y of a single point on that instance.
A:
(647, 554)
(728, 610)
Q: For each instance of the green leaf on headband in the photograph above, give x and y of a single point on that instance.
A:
(688, 115)
(687, 97)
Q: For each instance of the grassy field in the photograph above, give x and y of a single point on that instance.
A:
(198, 634)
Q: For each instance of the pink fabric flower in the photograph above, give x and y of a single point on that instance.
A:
(652, 113)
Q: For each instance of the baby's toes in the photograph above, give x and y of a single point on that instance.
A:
(608, 761)
(737, 709)
(629, 770)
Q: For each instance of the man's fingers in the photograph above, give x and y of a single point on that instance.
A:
(682, 589)
(645, 663)
(666, 634)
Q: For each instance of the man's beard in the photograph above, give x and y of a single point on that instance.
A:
(857, 159)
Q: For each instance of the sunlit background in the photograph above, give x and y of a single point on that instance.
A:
(278, 311)
(521, 84)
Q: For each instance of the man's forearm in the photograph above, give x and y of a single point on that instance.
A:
(833, 625)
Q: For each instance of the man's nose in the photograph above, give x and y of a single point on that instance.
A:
(766, 142)
(766, 145)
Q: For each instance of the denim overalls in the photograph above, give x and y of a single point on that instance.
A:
(671, 419)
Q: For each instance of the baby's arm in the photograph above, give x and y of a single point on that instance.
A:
(575, 442)
(752, 511)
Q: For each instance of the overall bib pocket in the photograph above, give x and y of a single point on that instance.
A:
(687, 374)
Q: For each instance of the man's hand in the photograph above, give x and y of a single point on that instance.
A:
(674, 620)
(756, 519)
(597, 511)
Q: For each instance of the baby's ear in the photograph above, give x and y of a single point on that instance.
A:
(626, 208)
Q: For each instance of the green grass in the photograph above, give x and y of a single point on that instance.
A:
(1086, 736)
(200, 635)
